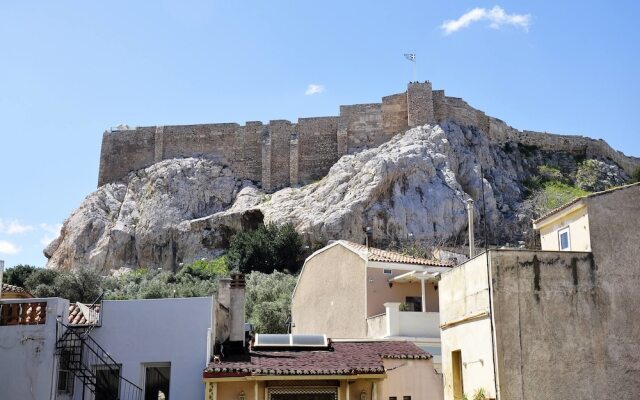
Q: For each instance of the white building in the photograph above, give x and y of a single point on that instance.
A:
(130, 349)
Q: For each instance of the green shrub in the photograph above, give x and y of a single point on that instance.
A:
(266, 249)
(82, 285)
(18, 275)
(206, 269)
(554, 194)
(268, 302)
(635, 176)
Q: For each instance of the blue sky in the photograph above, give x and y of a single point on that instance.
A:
(70, 70)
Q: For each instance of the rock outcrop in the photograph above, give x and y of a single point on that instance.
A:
(413, 187)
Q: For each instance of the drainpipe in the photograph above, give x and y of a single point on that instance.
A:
(472, 249)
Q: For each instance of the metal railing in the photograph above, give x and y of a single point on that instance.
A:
(93, 366)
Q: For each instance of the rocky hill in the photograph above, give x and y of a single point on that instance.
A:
(412, 188)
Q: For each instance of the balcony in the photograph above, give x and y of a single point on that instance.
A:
(395, 323)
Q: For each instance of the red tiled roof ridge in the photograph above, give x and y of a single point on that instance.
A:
(14, 289)
(343, 358)
(578, 199)
(381, 255)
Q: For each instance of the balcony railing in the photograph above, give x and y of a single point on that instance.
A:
(23, 313)
(403, 323)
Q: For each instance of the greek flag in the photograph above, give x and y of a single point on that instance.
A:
(410, 56)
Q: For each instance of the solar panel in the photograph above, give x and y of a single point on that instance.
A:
(270, 339)
(284, 340)
(309, 340)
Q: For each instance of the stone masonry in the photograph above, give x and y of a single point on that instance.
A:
(282, 153)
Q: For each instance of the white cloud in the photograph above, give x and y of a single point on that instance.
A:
(314, 89)
(497, 17)
(8, 248)
(14, 227)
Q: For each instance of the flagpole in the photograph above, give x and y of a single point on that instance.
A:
(414, 70)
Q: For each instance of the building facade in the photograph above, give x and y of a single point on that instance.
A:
(554, 323)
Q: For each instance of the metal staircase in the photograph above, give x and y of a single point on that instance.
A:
(98, 372)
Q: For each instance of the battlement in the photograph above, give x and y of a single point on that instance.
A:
(283, 153)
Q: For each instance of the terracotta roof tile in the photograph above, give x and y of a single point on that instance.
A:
(374, 254)
(577, 199)
(77, 317)
(343, 358)
(6, 288)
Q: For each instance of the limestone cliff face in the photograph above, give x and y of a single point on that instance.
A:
(413, 187)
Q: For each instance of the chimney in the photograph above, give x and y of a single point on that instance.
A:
(237, 308)
(229, 315)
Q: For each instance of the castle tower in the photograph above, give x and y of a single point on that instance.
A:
(419, 104)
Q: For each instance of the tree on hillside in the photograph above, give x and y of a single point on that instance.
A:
(268, 301)
(83, 285)
(635, 176)
(266, 249)
(18, 274)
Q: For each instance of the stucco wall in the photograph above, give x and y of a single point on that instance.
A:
(330, 295)
(28, 365)
(160, 330)
(466, 327)
(613, 223)
(578, 223)
(415, 378)
(549, 318)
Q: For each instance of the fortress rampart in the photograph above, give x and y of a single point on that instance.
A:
(282, 153)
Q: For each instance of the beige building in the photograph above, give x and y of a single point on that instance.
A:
(551, 324)
(349, 291)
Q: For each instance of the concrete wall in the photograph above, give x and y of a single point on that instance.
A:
(330, 295)
(135, 332)
(466, 327)
(577, 220)
(28, 365)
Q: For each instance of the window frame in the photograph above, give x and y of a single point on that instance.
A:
(387, 271)
(562, 231)
(64, 370)
(143, 380)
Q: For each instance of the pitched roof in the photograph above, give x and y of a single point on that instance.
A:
(78, 317)
(578, 199)
(343, 358)
(374, 254)
(6, 288)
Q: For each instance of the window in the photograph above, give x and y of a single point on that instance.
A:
(406, 397)
(387, 271)
(564, 239)
(413, 303)
(456, 364)
(157, 377)
(393, 398)
(65, 377)
(107, 382)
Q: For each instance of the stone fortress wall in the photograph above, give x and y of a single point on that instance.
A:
(282, 153)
